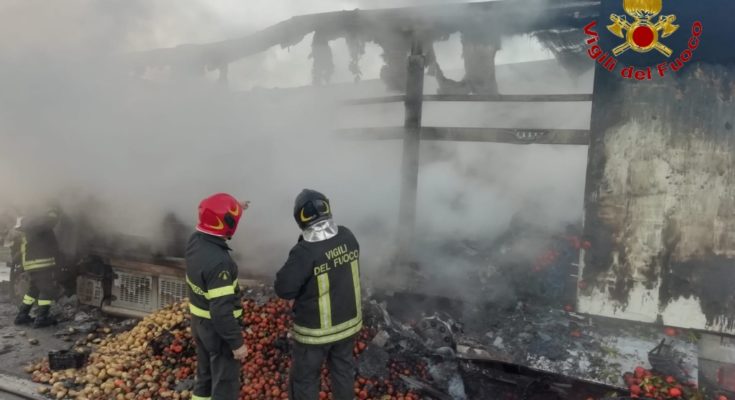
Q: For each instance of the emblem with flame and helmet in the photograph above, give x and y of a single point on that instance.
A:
(642, 35)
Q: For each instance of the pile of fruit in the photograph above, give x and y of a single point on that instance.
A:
(122, 366)
(645, 384)
(157, 359)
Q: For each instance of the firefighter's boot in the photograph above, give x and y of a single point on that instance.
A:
(44, 319)
(24, 315)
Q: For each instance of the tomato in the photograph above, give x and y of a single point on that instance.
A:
(635, 389)
(669, 331)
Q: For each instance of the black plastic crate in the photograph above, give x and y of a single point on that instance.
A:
(65, 359)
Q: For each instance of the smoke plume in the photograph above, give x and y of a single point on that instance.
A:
(78, 126)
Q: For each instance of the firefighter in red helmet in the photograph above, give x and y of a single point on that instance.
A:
(214, 299)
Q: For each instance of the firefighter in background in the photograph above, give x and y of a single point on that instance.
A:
(37, 253)
(322, 275)
(214, 299)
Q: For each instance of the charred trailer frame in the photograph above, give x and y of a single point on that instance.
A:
(660, 191)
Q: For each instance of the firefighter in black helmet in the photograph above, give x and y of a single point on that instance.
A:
(322, 275)
(38, 255)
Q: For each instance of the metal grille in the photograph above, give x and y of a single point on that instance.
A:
(134, 291)
(89, 291)
(170, 290)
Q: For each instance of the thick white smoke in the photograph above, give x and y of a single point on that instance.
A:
(75, 123)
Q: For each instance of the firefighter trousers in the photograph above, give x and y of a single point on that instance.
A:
(42, 288)
(218, 373)
(307, 364)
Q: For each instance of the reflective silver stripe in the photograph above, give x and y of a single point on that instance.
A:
(28, 300)
(325, 304)
(42, 303)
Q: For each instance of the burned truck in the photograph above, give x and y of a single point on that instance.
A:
(658, 199)
(658, 242)
(657, 204)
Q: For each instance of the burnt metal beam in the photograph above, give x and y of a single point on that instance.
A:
(411, 134)
(527, 98)
(493, 135)
(510, 17)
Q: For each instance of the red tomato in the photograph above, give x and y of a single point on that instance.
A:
(669, 331)
(635, 389)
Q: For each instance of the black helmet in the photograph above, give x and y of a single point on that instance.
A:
(311, 207)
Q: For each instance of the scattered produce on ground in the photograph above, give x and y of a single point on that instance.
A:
(156, 359)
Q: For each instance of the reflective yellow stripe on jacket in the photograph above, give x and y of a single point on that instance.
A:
(328, 333)
(211, 294)
(29, 265)
(202, 313)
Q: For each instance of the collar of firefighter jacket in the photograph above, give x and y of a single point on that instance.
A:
(323, 230)
(216, 240)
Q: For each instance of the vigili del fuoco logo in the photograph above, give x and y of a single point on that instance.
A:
(641, 34)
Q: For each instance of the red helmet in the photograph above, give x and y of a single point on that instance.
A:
(219, 215)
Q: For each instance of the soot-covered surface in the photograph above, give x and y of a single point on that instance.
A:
(549, 339)
(659, 188)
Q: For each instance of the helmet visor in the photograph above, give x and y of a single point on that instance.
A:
(314, 210)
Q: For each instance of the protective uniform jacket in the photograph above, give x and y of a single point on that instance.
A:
(324, 279)
(39, 248)
(214, 293)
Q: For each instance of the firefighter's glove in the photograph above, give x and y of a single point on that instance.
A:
(240, 353)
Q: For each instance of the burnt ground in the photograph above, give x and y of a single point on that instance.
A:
(548, 339)
(508, 349)
(15, 342)
(513, 300)
(21, 345)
